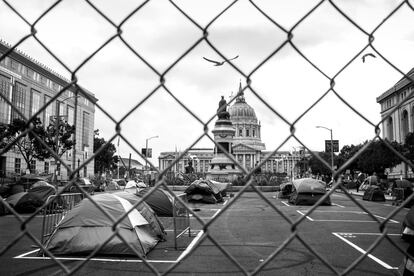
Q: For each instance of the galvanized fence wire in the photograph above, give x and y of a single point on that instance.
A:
(163, 84)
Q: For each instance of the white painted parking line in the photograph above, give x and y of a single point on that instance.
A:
(24, 256)
(309, 218)
(225, 202)
(387, 266)
(391, 220)
(190, 246)
(342, 220)
(338, 205)
(285, 203)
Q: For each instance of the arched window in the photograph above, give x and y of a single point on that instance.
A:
(390, 129)
(404, 125)
(247, 132)
(240, 132)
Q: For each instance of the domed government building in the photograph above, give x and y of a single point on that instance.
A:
(246, 146)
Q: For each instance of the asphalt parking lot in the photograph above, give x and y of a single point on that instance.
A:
(249, 230)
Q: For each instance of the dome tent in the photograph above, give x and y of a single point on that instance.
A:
(159, 200)
(373, 193)
(206, 191)
(85, 227)
(285, 190)
(307, 191)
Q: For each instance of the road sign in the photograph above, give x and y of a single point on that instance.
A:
(145, 153)
(335, 144)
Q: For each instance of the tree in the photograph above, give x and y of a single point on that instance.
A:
(377, 157)
(346, 153)
(28, 145)
(59, 137)
(106, 159)
(317, 166)
(408, 147)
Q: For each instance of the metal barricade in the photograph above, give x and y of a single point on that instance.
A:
(57, 207)
(181, 219)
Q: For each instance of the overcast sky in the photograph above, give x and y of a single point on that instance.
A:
(161, 34)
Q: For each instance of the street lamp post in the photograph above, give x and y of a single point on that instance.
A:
(146, 149)
(332, 155)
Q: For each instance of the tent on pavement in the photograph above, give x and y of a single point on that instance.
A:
(85, 228)
(42, 190)
(369, 181)
(206, 191)
(112, 186)
(131, 184)
(25, 202)
(159, 200)
(307, 191)
(285, 190)
(373, 193)
(407, 229)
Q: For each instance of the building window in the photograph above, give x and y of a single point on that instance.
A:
(19, 99)
(17, 165)
(240, 132)
(85, 129)
(404, 124)
(46, 168)
(35, 102)
(254, 133)
(71, 115)
(33, 166)
(5, 90)
(247, 132)
(85, 171)
(14, 65)
(48, 111)
(86, 101)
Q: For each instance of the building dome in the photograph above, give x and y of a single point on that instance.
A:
(241, 111)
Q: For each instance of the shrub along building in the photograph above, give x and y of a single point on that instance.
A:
(401, 121)
(29, 85)
(247, 147)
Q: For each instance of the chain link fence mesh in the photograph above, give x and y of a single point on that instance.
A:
(294, 235)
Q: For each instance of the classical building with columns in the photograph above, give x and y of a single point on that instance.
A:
(247, 146)
(399, 122)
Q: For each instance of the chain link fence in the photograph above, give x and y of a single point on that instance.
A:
(75, 83)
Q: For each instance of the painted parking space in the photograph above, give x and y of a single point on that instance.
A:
(342, 216)
(383, 255)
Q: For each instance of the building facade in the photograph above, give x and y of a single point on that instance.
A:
(29, 85)
(397, 123)
(247, 147)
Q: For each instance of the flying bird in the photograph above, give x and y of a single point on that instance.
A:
(219, 63)
(369, 54)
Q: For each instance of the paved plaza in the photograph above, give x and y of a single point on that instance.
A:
(251, 231)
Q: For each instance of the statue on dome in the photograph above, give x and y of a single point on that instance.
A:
(222, 109)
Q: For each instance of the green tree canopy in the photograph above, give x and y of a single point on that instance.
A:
(377, 157)
(28, 145)
(317, 166)
(59, 137)
(346, 153)
(106, 159)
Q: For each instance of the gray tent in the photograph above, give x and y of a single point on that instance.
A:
(85, 228)
(159, 200)
(25, 202)
(307, 191)
(206, 191)
(42, 190)
(373, 193)
(285, 190)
